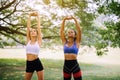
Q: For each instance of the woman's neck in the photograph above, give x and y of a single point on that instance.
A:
(70, 40)
(33, 39)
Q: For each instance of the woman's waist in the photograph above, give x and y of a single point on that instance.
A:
(31, 57)
(70, 56)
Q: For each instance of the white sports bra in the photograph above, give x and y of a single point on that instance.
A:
(32, 48)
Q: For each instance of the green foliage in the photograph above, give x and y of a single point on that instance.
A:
(18, 19)
(110, 34)
(66, 3)
(13, 22)
(46, 1)
(110, 8)
(59, 2)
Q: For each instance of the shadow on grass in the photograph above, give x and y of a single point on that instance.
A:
(14, 69)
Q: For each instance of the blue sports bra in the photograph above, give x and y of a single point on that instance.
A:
(72, 49)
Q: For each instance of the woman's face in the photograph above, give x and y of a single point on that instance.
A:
(71, 33)
(33, 32)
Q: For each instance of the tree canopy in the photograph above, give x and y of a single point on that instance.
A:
(110, 34)
(14, 14)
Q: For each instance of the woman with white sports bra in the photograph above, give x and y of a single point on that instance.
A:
(34, 40)
(71, 46)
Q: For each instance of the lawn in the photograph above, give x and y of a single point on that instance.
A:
(14, 69)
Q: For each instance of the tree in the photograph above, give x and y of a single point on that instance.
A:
(12, 26)
(110, 34)
(7, 9)
(81, 11)
(14, 15)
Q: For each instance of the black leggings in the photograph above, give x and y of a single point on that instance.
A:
(72, 67)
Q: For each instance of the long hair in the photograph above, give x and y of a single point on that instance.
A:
(75, 34)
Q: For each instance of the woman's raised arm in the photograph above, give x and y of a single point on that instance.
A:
(62, 34)
(39, 30)
(28, 27)
(78, 36)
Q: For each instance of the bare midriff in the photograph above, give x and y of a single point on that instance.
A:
(31, 57)
(70, 56)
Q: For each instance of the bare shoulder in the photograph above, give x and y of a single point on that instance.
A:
(27, 42)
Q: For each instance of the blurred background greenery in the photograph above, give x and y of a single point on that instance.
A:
(99, 21)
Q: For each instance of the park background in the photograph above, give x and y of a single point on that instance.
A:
(99, 54)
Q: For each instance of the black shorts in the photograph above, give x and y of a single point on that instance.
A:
(34, 65)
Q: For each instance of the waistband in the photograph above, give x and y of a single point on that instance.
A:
(71, 61)
(34, 60)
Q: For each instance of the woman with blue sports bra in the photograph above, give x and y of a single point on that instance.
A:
(34, 40)
(71, 47)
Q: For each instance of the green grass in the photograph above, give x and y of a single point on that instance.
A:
(14, 69)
